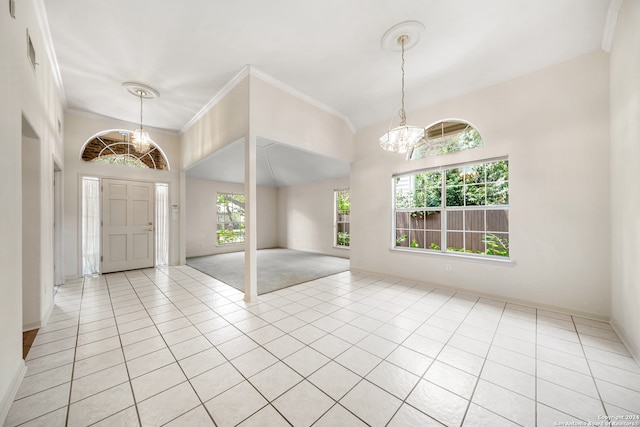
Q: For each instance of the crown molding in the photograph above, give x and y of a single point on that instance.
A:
(610, 25)
(43, 22)
(235, 80)
(306, 98)
(253, 71)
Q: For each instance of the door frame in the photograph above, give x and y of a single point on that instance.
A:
(79, 211)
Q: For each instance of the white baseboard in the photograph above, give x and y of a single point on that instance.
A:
(625, 341)
(42, 323)
(7, 400)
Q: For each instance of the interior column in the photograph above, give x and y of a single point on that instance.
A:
(250, 221)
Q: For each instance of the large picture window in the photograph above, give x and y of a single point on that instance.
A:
(230, 208)
(460, 209)
(342, 232)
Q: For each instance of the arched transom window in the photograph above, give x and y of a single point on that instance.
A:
(115, 147)
(444, 137)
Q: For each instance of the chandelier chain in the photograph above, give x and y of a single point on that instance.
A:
(403, 116)
(140, 92)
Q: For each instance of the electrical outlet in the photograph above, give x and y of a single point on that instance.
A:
(448, 267)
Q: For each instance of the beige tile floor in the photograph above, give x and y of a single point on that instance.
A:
(172, 346)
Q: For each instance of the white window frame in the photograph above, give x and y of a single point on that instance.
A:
(444, 209)
(336, 219)
(227, 222)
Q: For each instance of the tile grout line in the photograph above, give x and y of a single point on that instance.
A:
(75, 350)
(593, 378)
(484, 361)
(177, 362)
(135, 405)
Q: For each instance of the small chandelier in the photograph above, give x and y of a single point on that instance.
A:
(140, 140)
(402, 138)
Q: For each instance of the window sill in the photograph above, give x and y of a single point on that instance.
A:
(454, 255)
(341, 247)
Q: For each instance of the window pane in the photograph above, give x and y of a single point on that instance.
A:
(498, 220)
(474, 220)
(455, 196)
(475, 194)
(402, 238)
(474, 242)
(455, 220)
(454, 176)
(455, 242)
(417, 220)
(474, 174)
(498, 193)
(431, 185)
(344, 227)
(417, 239)
(498, 171)
(497, 244)
(433, 220)
(433, 240)
(404, 198)
(403, 219)
(418, 200)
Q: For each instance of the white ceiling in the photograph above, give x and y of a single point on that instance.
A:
(328, 51)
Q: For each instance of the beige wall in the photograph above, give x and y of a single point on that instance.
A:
(554, 126)
(224, 123)
(625, 163)
(201, 217)
(32, 95)
(79, 128)
(283, 117)
(305, 217)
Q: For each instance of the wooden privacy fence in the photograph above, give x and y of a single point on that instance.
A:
(466, 228)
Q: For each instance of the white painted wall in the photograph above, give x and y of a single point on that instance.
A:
(31, 94)
(280, 116)
(554, 126)
(79, 128)
(31, 231)
(226, 122)
(305, 217)
(201, 217)
(625, 163)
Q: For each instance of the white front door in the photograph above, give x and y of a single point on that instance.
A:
(127, 225)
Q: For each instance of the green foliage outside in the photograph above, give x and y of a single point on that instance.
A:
(124, 160)
(465, 140)
(343, 238)
(482, 184)
(230, 210)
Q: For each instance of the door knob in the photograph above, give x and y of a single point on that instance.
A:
(149, 229)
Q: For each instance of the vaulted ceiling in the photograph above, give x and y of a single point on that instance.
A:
(327, 50)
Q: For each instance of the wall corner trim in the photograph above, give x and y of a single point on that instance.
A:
(41, 14)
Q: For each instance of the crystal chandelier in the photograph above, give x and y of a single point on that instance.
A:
(402, 138)
(140, 139)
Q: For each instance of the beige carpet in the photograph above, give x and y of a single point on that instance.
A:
(277, 268)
